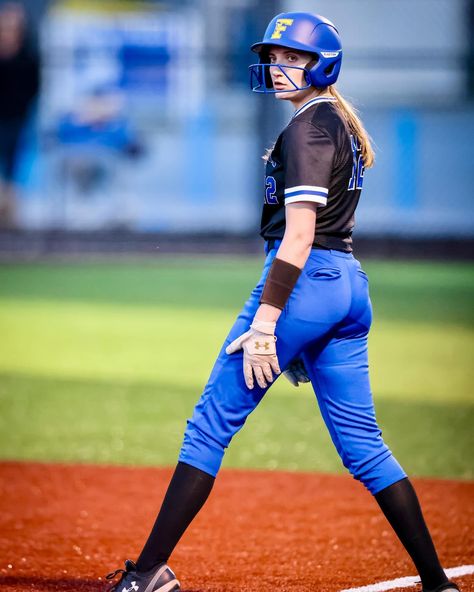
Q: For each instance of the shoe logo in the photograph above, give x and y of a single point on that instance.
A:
(133, 588)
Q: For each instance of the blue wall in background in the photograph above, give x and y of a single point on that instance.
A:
(422, 182)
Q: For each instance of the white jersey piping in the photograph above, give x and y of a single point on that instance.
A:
(312, 102)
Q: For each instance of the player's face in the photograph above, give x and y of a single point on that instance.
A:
(289, 57)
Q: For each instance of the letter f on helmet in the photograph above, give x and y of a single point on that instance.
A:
(280, 26)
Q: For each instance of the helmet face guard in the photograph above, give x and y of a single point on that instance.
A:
(261, 80)
(305, 32)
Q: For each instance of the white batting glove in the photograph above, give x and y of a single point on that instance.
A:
(260, 357)
(296, 372)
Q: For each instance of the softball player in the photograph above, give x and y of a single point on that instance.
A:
(309, 314)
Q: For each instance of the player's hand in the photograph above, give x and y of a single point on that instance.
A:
(296, 372)
(260, 359)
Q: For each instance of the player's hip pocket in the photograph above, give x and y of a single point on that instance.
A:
(323, 273)
(322, 266)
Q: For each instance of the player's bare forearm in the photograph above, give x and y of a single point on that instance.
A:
(299, 233)
(294, 251)
(295, 247)
(267, 313)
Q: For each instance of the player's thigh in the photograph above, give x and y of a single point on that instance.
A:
(223, 407)
(226, 401)
(339, 372)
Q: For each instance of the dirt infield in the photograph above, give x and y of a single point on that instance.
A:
(63, 527)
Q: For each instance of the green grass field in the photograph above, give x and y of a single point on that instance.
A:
(103, 363)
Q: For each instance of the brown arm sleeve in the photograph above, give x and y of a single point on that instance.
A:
(280, 282)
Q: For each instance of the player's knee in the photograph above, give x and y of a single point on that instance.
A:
(200, 450)
(375, 470)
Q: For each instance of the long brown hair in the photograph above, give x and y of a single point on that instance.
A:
(349, 113)
(356, 126)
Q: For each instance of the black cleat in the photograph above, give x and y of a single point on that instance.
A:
(448, 587)
(158, 579)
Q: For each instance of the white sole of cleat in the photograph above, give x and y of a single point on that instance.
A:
(169, 587)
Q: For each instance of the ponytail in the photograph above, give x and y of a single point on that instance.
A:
(355, 125)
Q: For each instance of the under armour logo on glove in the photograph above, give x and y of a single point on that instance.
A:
(260, 359)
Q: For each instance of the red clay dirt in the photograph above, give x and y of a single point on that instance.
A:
(63, 527)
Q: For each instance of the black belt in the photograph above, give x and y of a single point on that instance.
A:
(271, 245)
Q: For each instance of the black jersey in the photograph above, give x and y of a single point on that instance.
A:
(315, 159)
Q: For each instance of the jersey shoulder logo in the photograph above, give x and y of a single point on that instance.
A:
(280, 26)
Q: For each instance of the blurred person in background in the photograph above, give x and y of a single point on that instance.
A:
(19, 83)
(97, 128)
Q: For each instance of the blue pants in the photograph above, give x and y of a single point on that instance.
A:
(326, 322)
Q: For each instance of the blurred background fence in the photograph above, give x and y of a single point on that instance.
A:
(145, 123)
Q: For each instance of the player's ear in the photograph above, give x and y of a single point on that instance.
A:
(308, 67)
(313, 61)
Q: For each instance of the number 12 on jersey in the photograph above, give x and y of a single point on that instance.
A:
(357, 177)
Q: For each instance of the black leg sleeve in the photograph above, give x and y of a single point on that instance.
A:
(187, 492)
(400, 505)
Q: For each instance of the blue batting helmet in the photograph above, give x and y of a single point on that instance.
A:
(305, 32)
